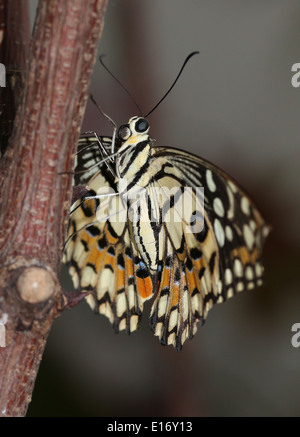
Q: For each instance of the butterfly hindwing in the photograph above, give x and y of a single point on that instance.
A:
(102, 258)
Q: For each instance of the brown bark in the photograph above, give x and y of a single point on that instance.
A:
(35, 189)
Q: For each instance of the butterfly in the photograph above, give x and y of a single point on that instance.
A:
(159, 223)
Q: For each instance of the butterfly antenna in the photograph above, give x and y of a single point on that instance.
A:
(121, 85)
(177, 77)
(114, 131)
(102, 112)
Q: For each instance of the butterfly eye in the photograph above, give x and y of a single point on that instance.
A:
(124, 132)
(141, 125)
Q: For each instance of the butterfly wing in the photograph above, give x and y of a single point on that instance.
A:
(89, 155)
(199, 269)
(102, 258)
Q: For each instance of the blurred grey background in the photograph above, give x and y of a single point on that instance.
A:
(235, 106)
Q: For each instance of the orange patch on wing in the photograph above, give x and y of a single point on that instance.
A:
(110, 238)
(191, 281)
(174, 295)
(88, 204)
(165, 278)
(245, 256)
(109, 259)
(90, 241)
(199, 263)
(144, 287)
(128, 267)
(95, 257)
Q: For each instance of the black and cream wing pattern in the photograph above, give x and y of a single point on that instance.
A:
(160, 223)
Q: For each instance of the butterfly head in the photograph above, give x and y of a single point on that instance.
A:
(134, 131)
(133, 155)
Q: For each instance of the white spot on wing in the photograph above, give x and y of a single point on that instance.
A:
(197, 303)
(131, 296)
(219, 231)
(238, 267)
(105, 283)
(173, 319)
(121, 304)
(185, 306)
(158, 329)
(91, 301)
(162, 305)
(133, 323)
(122, 325)
(266, 230)
(75, 277)
(218, 207)
(78, 252)
(171, 339)
(230, 292)
(258, 270)
(229, 233)
(228, 276)
(240, 286)
(210, 182)
(248, 236)
(249, 273)
(184, 335)
(230, 211)
(232, 186)
(106, 310)
(252, 225)
(88, 277)
(245, 205)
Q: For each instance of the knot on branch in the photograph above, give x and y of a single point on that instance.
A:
(28, 293)
(35, 285)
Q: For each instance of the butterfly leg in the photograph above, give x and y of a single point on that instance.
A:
(72, 298)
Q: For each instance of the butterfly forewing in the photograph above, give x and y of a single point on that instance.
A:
(184, 231)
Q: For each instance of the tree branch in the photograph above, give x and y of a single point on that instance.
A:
(36, 190)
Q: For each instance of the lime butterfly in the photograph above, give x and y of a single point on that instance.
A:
(161, 223)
